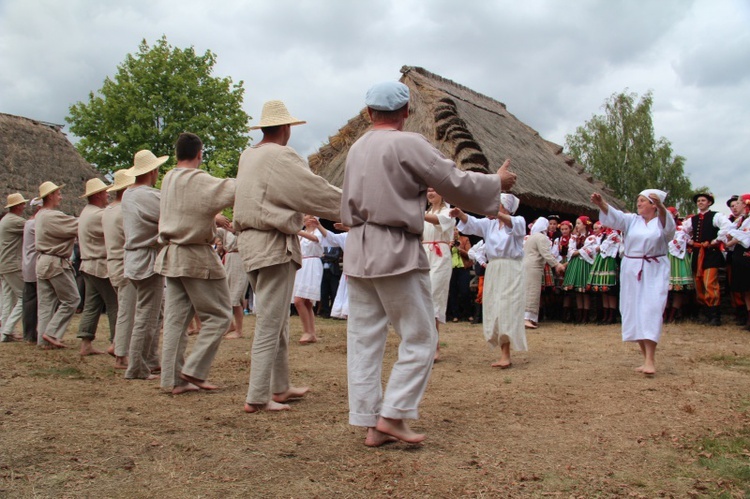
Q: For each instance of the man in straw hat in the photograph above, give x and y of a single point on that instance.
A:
(274, 188)
(140, 222)
(114, 240)
(57, 291)
(11, 242)
(28, 268)
(707, 230)
(99, 290)
(191, 202)
(387, 268)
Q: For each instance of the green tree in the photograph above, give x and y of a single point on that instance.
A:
(619, 148)
(154, 96)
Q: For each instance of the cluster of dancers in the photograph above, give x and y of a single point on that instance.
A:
(149, 258)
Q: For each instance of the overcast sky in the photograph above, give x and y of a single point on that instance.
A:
(553, 63)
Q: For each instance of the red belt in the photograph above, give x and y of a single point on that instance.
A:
(435, 246)
(645, 258)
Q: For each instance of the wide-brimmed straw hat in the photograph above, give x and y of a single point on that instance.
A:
(94, 186)
(275, 113)
(122, 180)
(15, 199)
(144, 162)
(48, 188)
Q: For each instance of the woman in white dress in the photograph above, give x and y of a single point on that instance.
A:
(308, 277)
(504, 297)
(436, 241)
(236, 280)
(644, 271)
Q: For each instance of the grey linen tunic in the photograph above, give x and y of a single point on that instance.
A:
(536, 253)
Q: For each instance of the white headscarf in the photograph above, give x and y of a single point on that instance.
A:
(541, 225)
(509, 202)
(660, 194)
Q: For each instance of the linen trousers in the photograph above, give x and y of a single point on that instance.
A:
(269, 364)
(12, 301)
(126, 296)
(29, 312)
(99, 294)
(405, 301)
(185, 297)
(144, 341)
(57, 300)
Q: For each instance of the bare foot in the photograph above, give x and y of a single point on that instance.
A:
(234, 335)
(111, 350)
(639, 369)
(502, 364)
(399, 429)
(193, 332)
(200, 383)
(270, 406)
(529, 324)
(437, 354)
(53, 341)
(179, 390)
(291, 393)
(89, 350)
(121, 362)
(308, 338)
(152, 377)
(377, 438)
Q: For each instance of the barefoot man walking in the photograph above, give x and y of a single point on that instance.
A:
(384, 195)
(274, 188)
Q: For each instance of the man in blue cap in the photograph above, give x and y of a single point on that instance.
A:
(387, 175)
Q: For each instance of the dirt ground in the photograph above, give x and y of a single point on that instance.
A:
(570, 419)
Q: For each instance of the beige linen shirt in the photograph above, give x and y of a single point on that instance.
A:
(11, 243)
(114, 240)
(29, 251)
(190, 199)
(91, 242)
(140, 223)
(275, 187)
(385, 185)
(56, 233)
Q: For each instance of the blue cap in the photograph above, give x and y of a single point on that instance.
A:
(387, 96)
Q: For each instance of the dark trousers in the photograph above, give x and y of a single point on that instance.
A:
(29, 312)
(459, 294)
(329, 286)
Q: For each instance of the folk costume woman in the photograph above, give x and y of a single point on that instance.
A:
(560, 251)
(740, 240)
(581, 251)
(504, 296)
(603, 278)
(436, 241)
(644, 273)
(537, 256)
(681, 279)
(308, 277)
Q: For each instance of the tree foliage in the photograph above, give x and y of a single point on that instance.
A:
(619, 148)
(155, 95)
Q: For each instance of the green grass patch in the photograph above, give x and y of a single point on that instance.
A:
(59, 372)
(728, 455)
(736, 361)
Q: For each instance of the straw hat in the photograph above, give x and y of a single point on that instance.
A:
(94, 186)
(15, 199)
(122, 180)
(144, 162)
(274, 114)
(48, 188)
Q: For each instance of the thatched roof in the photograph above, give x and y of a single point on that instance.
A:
(478, 133)
(32, 152)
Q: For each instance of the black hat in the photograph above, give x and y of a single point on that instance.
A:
(706, 195)
(731, 200)
(554, 217)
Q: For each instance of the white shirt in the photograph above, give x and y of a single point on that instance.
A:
(499, 242)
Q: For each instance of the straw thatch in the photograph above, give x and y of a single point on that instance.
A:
(478, 133)
(32, 152)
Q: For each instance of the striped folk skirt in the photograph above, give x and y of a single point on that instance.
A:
(681, 273)
(603, 277)
(548, 277)
(577, 275)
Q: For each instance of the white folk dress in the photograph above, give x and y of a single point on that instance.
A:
(236, 275)
(504, 298)
(644, 272)
(308, 277)
(340, 308)
(436, 241)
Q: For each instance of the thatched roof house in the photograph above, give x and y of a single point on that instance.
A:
(32, 152)
(478, 133)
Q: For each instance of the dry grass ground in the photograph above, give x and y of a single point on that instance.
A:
(570, 419)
